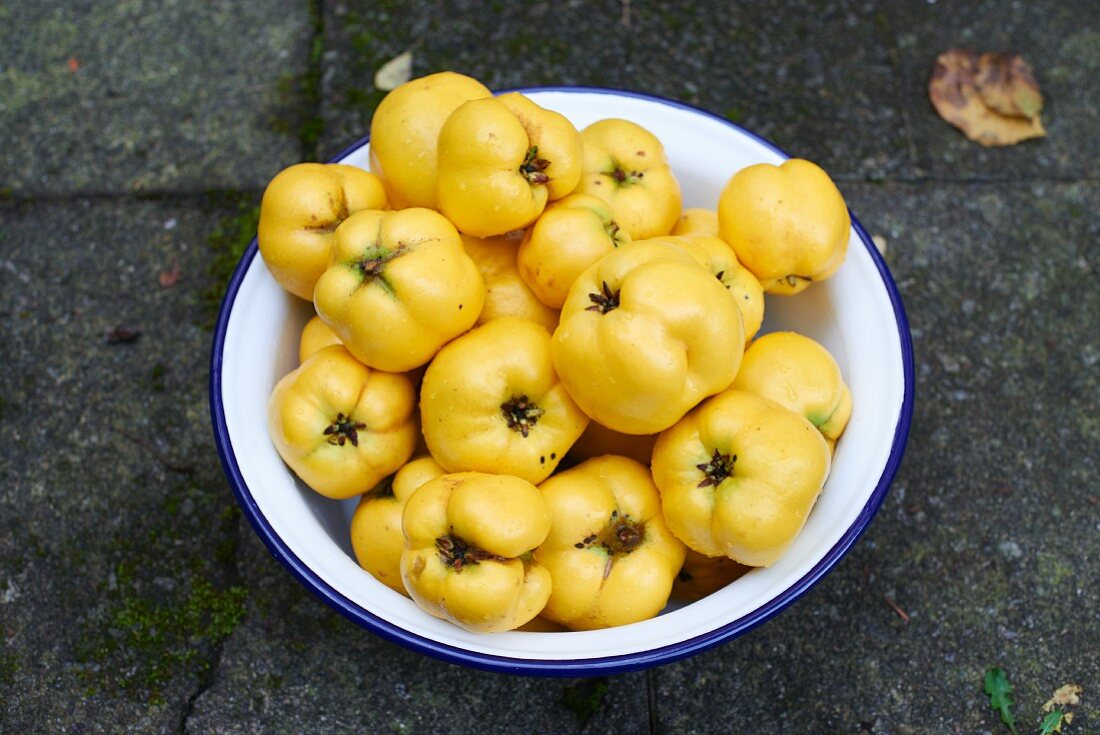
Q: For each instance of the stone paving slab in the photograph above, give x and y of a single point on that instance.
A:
(132, 596)
(745, 62)
(842, 82)
(817, 82)
(117, 531)
(502, 44)
(989, 539)
(294, 665)
(148, 95)
(1060, 40)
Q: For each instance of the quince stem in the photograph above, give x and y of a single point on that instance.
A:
(533, 167)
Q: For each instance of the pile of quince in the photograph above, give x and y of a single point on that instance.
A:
(538, 372)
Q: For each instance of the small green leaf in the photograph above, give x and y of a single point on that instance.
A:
(1051, 723)
(1000, 696)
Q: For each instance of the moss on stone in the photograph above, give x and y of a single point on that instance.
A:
(228, 242)
(149, 638)
(156, 377)
(299, 95)
(584, 698)
(371, 35)
(165, 611)
(1055, 572)
(9, 669)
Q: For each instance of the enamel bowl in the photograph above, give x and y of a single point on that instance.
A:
(857, 315)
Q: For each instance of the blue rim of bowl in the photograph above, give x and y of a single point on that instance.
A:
(570, 667)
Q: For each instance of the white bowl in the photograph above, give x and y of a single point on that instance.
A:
(857, 315)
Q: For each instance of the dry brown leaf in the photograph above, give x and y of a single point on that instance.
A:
(394, 72)
(1007, 86)
(954, 93)
(122, 335)
(1065, 695)
(169, 278)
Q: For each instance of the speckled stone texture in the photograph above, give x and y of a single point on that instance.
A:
(505, 45)
(296, 666)
(134, 598)
(744, 61)
(147, 95)
(1061, 41)
(114, 515)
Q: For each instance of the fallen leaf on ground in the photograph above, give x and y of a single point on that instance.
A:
(122, 335)
(170, 277)
(1000, 696)
(880, 243)
(1053, 722)
(1067, 694)
(1007, 86)
(394, 72)
(897, 609)
(74, 64)
(993, 99)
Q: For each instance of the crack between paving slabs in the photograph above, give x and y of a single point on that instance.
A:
(651, 701)
(206, 678)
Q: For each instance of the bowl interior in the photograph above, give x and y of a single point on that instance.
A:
(855, 314)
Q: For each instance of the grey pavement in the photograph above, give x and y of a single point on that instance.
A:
(137, 137)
